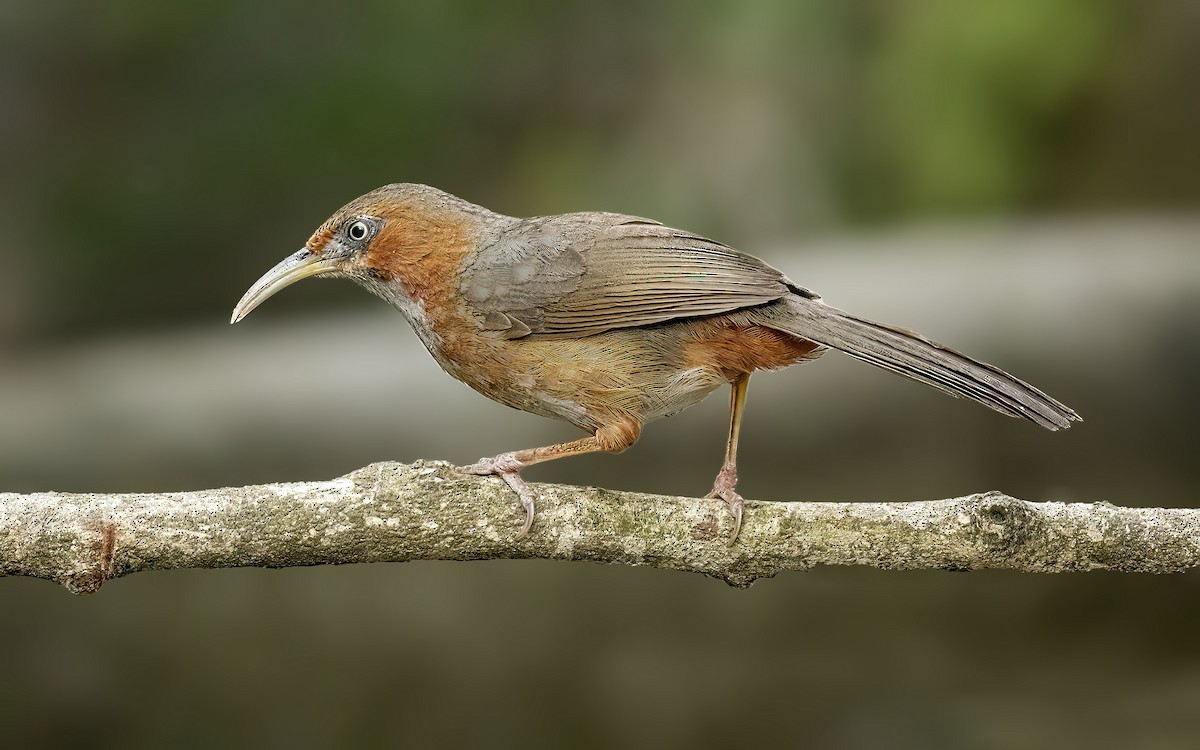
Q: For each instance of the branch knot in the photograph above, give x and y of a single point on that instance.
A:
(1005, 525)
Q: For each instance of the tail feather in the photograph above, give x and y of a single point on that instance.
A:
(910, 354)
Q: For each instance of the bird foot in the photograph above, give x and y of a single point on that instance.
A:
(508, 467)
(723, 487)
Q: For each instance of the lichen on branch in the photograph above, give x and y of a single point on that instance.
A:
(391, 512)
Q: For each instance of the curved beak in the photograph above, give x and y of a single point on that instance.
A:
(291, 269)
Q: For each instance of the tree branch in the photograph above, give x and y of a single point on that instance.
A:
(429, 511)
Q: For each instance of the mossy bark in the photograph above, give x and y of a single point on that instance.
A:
(392, 512)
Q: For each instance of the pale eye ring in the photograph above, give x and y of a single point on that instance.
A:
(358, 231)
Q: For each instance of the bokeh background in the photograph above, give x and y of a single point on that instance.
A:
(1018, 178)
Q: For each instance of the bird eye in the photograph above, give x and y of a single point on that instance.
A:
(358, 231)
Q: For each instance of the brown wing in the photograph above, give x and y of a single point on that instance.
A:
(579, 274)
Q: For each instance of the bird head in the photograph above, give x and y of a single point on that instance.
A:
(378, 238)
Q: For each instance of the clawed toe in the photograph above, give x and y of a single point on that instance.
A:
(501, 464)
(507, 467)
(525, 495)
(723, 488)
(737, 505)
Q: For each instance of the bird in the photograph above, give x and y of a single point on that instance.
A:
(607, 321)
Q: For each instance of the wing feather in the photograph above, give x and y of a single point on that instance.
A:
(580, 274)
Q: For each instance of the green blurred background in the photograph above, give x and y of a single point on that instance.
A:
(1018, 178)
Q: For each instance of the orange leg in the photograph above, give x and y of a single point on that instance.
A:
(726, 481)
(612, 438)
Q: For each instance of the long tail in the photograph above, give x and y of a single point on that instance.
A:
(910, 354)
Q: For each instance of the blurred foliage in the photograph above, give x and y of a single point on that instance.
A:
(183, 146)
(964, 101)
(159, 156)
